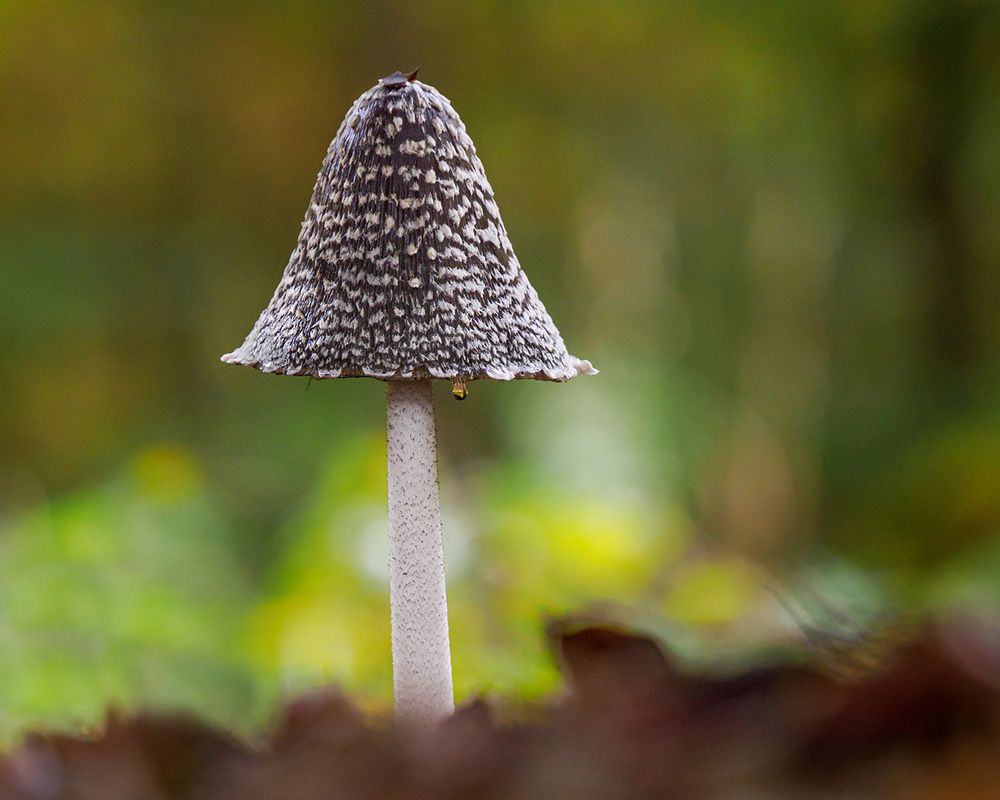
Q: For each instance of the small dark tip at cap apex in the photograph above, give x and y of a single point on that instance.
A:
(398, 79)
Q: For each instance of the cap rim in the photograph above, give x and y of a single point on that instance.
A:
(574, 367)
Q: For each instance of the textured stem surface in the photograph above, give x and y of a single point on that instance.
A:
(421, 661)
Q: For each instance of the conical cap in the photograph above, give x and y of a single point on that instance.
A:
(403, 268)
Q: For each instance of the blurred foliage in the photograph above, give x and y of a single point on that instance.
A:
(773, 229)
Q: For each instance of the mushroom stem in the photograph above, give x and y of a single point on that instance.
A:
(421, 660)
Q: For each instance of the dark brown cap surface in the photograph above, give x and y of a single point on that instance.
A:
(403, 268)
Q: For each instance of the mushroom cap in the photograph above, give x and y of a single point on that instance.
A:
(403, 268)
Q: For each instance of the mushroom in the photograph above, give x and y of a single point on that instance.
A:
(403, 272)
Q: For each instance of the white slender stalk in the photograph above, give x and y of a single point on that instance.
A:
(421, 660)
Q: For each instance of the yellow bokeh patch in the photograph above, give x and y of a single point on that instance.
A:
(167, 473)
(713, 591)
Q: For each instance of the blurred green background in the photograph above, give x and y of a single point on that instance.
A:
(773, 226)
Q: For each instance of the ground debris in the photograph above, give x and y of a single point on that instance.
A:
(631, 724)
